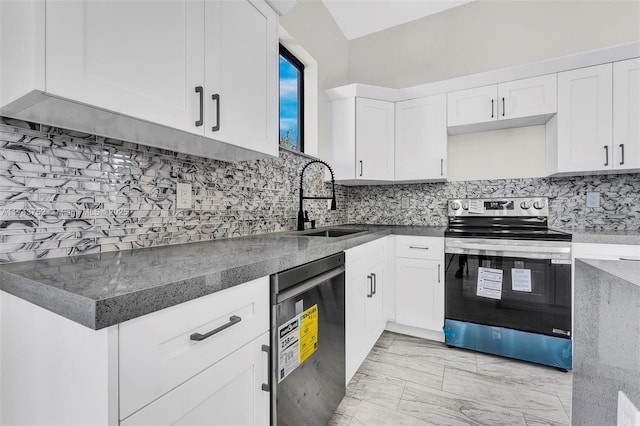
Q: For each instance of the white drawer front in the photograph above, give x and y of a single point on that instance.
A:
(227, 393)
(419, 247)
(156, 350)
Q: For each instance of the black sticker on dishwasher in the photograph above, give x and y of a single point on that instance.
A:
(297, 341)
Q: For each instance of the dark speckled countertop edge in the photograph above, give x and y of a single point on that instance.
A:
(105, 312)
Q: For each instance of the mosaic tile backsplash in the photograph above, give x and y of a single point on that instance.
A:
(619, 203)
(67, 193)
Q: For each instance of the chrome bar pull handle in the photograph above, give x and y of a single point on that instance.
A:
(438, 273)
(200, 91)
(234, 319)
(419, 247)
(606, 154)
(360, 167)
(491, 108)
(216, 98)
(442, 167)
(267, 386)
(622, 154)
(503, 106)
(375, 283)
(370, 291)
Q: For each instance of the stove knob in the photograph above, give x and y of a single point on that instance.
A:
(454, 205)
(465, 205)
(525, 205)
(539, 204)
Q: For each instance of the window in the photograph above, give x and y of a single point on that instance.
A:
(291, 101)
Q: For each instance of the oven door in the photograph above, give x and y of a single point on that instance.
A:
(517, 284)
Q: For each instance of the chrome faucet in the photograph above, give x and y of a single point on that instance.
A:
(302, 215)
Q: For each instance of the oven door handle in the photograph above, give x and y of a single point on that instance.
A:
(531, 251)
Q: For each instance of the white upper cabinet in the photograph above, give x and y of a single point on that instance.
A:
(361, 143)
(626, 114)
(141, 58)
(240, 69)
(585, 117)
(375, 124)
(527, 98)
(421, 139)
(472, 106)
(523, 102)
(196, 76)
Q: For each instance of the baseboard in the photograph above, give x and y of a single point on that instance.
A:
(438, 336)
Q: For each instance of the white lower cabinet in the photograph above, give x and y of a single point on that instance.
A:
(201, 362)
(227, 393)
(419, 280)
(364, 301)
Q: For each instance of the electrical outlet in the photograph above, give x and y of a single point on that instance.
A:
(183, 196)
(628, 414)
(404, 202)
(328, 204)
(593, 199)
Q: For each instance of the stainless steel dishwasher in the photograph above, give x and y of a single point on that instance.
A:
(307, 341)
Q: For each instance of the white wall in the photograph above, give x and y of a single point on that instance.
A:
(489, 34)
(498, 154)
(310, 26)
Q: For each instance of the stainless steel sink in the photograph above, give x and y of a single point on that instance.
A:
(331, 232)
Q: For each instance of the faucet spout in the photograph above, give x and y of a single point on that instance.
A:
(302, 218)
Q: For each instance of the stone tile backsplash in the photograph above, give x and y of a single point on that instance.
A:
(67, 193)
(619, 204)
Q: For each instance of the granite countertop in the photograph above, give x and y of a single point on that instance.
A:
(100, 290)
(626, 270)
(604, 236)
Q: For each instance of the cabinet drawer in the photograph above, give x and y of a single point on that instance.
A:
(419, 247)
(229, 392)
(156, 350)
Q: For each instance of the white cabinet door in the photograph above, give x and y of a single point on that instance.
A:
(478, 105)
(421, 139)
(528, 97)
(419, 293)
(357, 286)
(227, 393)
(585, 119)
(140, 58)
(241, 74)
(375, 124)
(626, 114)
(364, 301)
(374, 309)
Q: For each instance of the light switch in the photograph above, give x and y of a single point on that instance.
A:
(593, 199)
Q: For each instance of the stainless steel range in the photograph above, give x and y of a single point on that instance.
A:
(508, 280)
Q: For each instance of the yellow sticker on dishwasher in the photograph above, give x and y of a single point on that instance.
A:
(297, 341)
(308, 332)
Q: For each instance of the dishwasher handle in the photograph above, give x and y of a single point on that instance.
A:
(304, 286)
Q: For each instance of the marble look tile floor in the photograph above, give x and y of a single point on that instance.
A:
(411, 381)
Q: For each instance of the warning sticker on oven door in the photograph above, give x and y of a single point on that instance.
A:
(489, 283)
(297, 341)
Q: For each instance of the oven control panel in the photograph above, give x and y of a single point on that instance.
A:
(508, 206)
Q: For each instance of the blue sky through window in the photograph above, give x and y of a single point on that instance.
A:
(289, 75)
